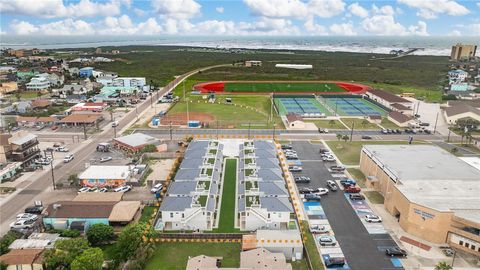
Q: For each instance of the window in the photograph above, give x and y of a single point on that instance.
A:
(467, 245)
(472, 247)
(460, 243)
(183, 215)
(171, 215)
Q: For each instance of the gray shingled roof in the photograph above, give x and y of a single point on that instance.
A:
(192, 163)
(187, 174)
(175, 203)
(267, 163)
(241, 204)
(274, 174)
(183, 187)
(273, 204)
(272, 188)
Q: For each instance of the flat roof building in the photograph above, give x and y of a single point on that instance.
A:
(101, 176)
(134, 142)
(433, 194)
(463, 51)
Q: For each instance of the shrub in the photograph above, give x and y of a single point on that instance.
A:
(70, 233)
(98, 234)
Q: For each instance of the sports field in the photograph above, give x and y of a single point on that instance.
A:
(304, 106)
(281, 87)
(353, 106)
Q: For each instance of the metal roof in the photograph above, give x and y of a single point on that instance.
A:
(187, 174)
(272, 188)
(175, 203)
(182, 188)
(191, 163)
(273, 204)
(23, 139)
(106, 172)
(136, 139)
(267, 163)
(270, 174)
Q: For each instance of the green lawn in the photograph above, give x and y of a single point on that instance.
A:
(109, 251)
(328, 124)
(146, 214)
(388, 124)
(358, 176)
(227, 209)
(430, 94)
(312, 250)
(300, 265)
(173, 256)
(26, 95)
(374, 197)
(349, 152)
(359, 123)
(282, 87)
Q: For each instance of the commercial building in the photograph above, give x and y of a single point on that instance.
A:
(457, 76)
(255, 259)
(105, 176)
(134, 143)
(23, 148)
(191, 200)
(9, 170)
(390, 101)
(89, 106)
(463, 51)
(400, 119)
(432, 193)
(461, 112)
(263, 201)
(82, 119)
(38, 84)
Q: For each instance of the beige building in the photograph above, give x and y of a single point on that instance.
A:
(253, 63)
(25, 259)
(433, 194)
(8, 87)
(457, 112)
(463, 51)
(400, 119)
(390, 101)
(255, 259)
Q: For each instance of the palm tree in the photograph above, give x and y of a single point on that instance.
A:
(339, 136)
(110, 111)
(345, 138)
(443, 266)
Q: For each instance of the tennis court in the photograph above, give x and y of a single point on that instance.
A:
(304, 106)
(353, 106)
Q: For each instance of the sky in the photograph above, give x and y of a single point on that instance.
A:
(241, 17)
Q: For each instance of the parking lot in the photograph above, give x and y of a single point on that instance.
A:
(361, 249)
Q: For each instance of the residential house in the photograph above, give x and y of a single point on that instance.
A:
(31, 121)
(400, 119)
(85, 72)
(105, 176)
(36, 241)
(7, 70)
(65, 214)
(24, 76)
(263, 201)
(25, 259)
(24, 147)
(191, 200)
(69, 89)
(8, 87)
(390, 101)
(40, 103)
(135, 142)
(20, 107)
(288, 242)
(39, 83)
(138, 82)
(457, 76)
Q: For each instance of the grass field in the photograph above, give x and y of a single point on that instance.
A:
(227, 209)
(282, 87)
(349, 152)
(359, 123)
(173, 256)
(328, 124)
(358, 176)
(374, 197)
(312, 250)
(146, 214)
(388, 124)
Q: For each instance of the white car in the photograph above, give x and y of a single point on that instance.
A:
(123, 189)
(321, 191)
(327, 241)
(102, 190)
(61, 149)
(329, 159)
(22, 224)
(43, 161)
(156, 188)
(373, 219)
(68, 158)
(105, 159)
(318, 229)
(295, 168)
(83, 189)
(27, 216)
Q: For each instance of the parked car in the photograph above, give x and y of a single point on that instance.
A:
(102, 190)
(427, 131)
(373, 219)
(156, 188)
(328, 159)
(323, 151)
(83, 189)
(366, 137)
(338, 168)
(34, 210)
(302, 179)
(68, 158)
(123, 189)
(291, 157)
(384, 131)
(448, 252)
(395, 252)
(321, 191)
(312, 197)
(43, 161)
(295, 168)
(27, 216)
(327, 240)
(334, 261)
(356, 197)
(305, 190)
(22, 224)
(424, 124)
(331, 185)
(352, 189)
(114, 123)
(318, 229)
(286, 146)
(348, 182)
(61, 149)
(322, 130)
(105, 159)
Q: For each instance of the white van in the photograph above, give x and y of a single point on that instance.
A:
(68, 158)
(115, 124)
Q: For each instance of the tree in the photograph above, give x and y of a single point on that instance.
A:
(339, 136)
(454, 150)
(39, 94)
(70, 233)
(110, 111)
(141, 257)
(65, 252)
(98, 234)
(331, 123)
(149, 148)
(443, 266)
(345, 138)
(8, 239)
(90, 259)
(129, 240)
(74, 180)
(18, 95)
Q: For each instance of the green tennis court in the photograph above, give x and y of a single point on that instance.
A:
(282, 87)
(304, 106)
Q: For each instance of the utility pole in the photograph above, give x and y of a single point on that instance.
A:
(351, 131)
(436, 120)
(418, 106)
(84, 131)
(448, 137)
(114, 131)
(186, 100)
(136, 111)
(273, 135)
(249, 130)
(217, 129)
(171, 130)
(151, 100)
(53, 175)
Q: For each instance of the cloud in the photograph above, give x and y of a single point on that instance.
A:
(474, 29)
(383, 25)
(384, 10)
(313, 28)
(455, 33)
(358, 10)
(295, 8)
(57, 9)
(418, 30)
(64, 27)
(432, 8)
(23, 28)
(139, 12)
(220, 9)
(344, 29)
(176, 9)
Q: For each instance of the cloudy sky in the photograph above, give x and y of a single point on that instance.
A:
(240, 17)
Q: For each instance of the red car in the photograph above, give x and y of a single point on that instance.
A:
(352, 189)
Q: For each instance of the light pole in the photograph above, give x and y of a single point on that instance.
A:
(171, 130)
(273, 135)
(249, 130)
(351, 132)
(435, 127)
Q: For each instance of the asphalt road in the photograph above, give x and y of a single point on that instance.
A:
(359, 247)
(16, 203)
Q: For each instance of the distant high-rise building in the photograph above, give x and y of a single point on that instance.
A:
(462, 51)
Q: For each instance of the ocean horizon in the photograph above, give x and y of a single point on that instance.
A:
(434, 45)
